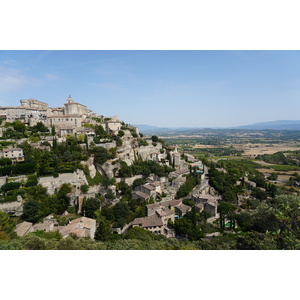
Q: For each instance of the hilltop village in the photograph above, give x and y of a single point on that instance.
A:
(74, 179)
(68, 169)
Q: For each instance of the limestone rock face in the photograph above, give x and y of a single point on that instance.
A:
(90, 164)
(76, 179)
(15, 208)
(109, 169)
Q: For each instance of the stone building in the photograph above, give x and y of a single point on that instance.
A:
(14, 154)
(113, 126)
(81, 227)
(157, 222)
(32, 103)
(65, 120)
(73, 108)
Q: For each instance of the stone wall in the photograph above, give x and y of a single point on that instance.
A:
(76, 179)
(130, 180)
(15, 207)
(90, 164)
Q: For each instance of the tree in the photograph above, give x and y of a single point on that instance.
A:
(121, 211)
(121, 133)
(229, 196)
(19, 126)
(224, 209)
(255, 241)
(63, 198)
(40, 127)
(90, 206)
(100, 155)
(84, 188)
(138, 182)
(10, 186)
(273, 176)
(7, 226)
(186, 227)
(287, 215)
(137, 233)
(53, 132)
(154, 139)
(103, 232)
(30, 211)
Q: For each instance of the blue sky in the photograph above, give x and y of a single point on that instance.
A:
(161, 88)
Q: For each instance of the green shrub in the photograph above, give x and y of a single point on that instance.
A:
(71, 209)
(84, 188)
(10, 186)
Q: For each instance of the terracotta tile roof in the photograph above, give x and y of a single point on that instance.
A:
(164, 211)
(213, 203)
(153, 205)
(141, 195)
(138, 221)
(151, 221)
(65, 116)
(42, 226)
(207, 197)
(149, 186)
(171, 203)
(183, 208)
(84, 222)
(74, 229)
(23, 228)
(161, 213)
(12, 149)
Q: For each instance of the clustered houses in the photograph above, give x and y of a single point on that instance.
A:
(158, 215)
(14, 154)
(208, 203)
(76, 119)
(81, 227)
(67, 120)
(146, 191)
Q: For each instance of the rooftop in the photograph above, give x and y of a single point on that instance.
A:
(183, 208)
(23, 228)
(84, 222)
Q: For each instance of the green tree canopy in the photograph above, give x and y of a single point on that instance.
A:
(90, 206)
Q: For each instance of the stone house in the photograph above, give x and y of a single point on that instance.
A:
(24, 228)
(211, 207)
(140, 195)
(73, 108)
(86, 131)
(207, 202)
(47, 227)
(113, 126)
(14, 154)
(59, 121)
(65, 131)
(157, 222)
(81, 227)
(148, 189)
(182, 209)
(178, 182)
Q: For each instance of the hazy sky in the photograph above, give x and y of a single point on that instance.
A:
(161, 88)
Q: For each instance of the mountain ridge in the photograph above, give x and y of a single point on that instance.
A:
(272, 125)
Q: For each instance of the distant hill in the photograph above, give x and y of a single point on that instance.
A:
(148, 129)
(275, 125)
